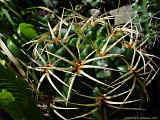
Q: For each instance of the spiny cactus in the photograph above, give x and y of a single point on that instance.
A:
(146, 18)
(91, 67)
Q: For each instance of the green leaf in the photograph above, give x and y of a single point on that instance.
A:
(21, 104)
(26, 32)
(8, 16)
(13, 48)
(6, 98)
(2, 64)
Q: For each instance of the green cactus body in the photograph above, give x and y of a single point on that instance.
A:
(90, 57)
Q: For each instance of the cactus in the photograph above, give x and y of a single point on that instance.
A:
(90, 67)
(145, 15)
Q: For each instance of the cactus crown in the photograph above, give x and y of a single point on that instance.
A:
(91, 64)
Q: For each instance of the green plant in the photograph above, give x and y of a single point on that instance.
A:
(76, 67)
(16, 98)
(6, 97)
(79, 58)
(146, 18)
